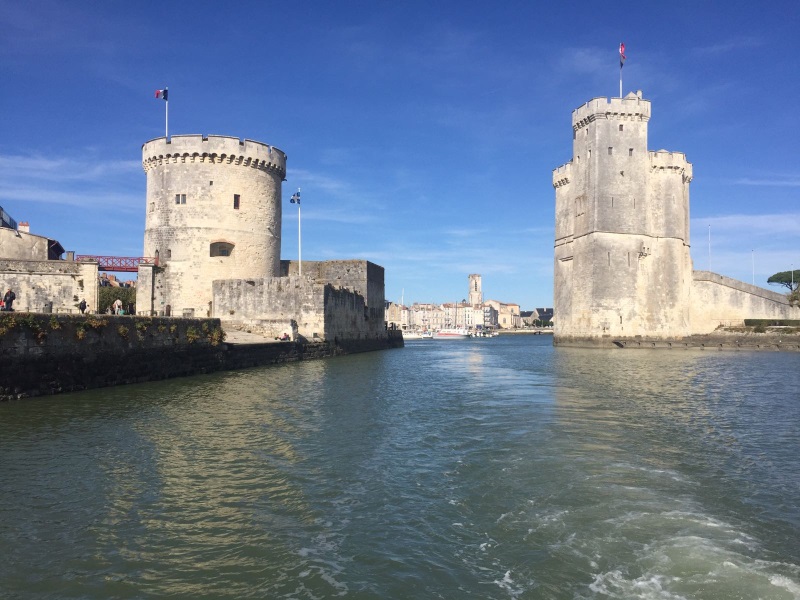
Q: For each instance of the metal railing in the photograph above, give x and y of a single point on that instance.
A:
(119, 264)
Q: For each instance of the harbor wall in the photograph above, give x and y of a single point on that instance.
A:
(722, 301)
(52, 354)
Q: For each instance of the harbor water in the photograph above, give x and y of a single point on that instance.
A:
(486, 468)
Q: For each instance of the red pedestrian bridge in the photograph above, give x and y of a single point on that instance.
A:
(119, 264)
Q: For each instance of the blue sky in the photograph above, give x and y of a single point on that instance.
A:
(423, 134)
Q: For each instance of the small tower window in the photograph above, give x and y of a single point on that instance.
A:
(180, 198)
(621, 127)
(152, 206)
(236, 199)
(630, 151)
(167, 253)
(610, 150)
(221, 249)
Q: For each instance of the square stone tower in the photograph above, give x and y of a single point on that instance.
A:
(622, 264)
(475, 292)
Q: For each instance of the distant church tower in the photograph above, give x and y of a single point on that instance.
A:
(475, 292)
(213, 212)
(622, 265)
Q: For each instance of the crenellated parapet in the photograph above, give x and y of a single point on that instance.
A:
(631, 108)
(562, 175)
(213, 149)
(664, 162)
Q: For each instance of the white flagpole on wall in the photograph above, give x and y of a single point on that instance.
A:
(299, 238)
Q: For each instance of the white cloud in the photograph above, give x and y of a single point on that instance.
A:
(727, 46)
(792, 181)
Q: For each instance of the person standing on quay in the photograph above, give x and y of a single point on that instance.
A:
(8, 299)
(82, 306)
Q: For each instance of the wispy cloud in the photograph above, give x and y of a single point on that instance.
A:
(332, 199)
(64, 169)
(69, 181)
(752, 225)
(732, 45)
(777, 182)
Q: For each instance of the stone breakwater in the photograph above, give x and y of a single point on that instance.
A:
(52, 354)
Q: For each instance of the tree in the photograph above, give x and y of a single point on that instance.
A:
(109, 294)
(786, 278)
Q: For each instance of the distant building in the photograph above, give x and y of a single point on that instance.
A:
(475, 291)
(508, 314)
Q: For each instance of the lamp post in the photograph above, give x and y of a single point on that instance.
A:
(296, 200)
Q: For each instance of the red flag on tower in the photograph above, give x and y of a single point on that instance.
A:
(621, 54)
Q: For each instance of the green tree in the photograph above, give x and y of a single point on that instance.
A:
(794, 298)
(786, 278)
(109, 294)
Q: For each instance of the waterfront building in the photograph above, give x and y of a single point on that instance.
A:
(508, 314)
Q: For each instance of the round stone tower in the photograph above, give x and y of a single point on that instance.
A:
(213, 212)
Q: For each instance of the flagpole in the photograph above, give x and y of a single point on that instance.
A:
(620, 80)
(709, 248)
(166, 124)
(299, 239)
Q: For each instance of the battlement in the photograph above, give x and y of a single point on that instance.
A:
(562, 175)
(631, 107)
(663, 161)
(213, 149)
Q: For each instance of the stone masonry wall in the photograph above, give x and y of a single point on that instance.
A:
(300, 305)
(46, 354)
(51, 354)
(270, 305)
(37, 283)
(20, 245)
(719, 300)
(360, 276)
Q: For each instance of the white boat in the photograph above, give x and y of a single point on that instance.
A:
(451, 333)
(417, 335)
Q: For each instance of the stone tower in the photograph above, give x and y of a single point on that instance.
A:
(213, 212)
(475, 292)
(622, 265)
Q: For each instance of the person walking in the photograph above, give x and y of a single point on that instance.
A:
(82, 306)
(8, 299)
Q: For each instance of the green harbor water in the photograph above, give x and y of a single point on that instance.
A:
(489, 468)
